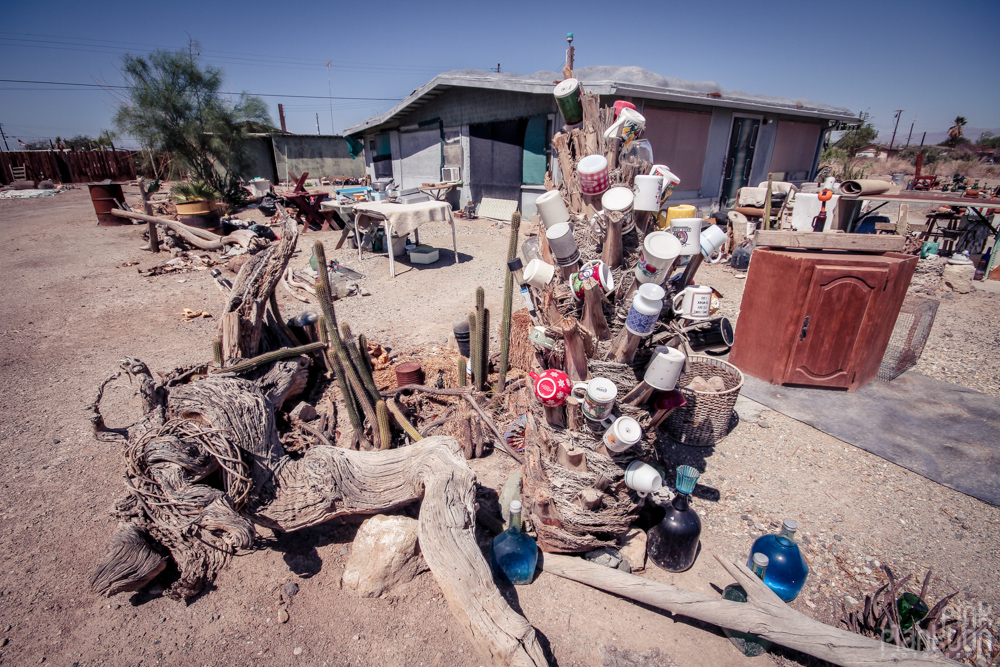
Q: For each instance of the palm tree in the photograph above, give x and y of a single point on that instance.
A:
(955, 131)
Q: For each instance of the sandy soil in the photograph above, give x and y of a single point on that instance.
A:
(72, 310)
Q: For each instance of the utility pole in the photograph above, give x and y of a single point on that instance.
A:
(329, 85)
(899, 112)
(911, 132)
(5, 147)
(281, 117)
(923, 138)
(317, 122)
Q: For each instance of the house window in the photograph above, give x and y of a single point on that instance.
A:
(381, 151)
(679, 139)
(795, 148)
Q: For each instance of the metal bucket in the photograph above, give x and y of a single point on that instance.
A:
(107, 197)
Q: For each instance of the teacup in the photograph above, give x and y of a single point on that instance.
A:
(642, 478)
(597, 270)
(713, 240)
(622, 434)
(551, 387)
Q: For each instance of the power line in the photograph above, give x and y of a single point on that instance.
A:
(100, 85)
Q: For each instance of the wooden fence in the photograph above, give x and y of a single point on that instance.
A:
(69, 166)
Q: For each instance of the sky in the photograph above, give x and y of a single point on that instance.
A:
(934, 60)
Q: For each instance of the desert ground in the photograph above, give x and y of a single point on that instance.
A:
(74, 304)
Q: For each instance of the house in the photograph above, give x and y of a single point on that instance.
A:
(493, 131)
(878, 152)
(275, 155)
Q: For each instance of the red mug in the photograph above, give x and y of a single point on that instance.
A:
(552, 387)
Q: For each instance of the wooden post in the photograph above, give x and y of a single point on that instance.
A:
(576, 356)
(555, 416)
(543, 245)
(767, 204)
(154, 241)
(567, 271)
(593, 311)
(902, 223)
(625, 352)
(612, 152)
(231, 344)
(690, 270)
(613, 255)
(574, 414)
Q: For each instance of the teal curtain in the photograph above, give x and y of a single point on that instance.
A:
(534, 163)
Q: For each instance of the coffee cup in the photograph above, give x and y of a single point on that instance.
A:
(597, 397)
(597, 270)
(622, 434)
(538, 273)
(713, 240)
(620, 200)
(569, 99)
(657, 257)
(551, 208)
(551, 387)
(642, 478)
(667, 215)
(716, 334)
(688, 232)
(628, 126)
(647, 192)
(665, 368)
(669, 183)
(592, 172)
(694, 302)
(562, 244)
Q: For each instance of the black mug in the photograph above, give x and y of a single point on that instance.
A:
(714, 333)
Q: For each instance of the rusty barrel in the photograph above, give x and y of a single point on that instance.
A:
(106, 197)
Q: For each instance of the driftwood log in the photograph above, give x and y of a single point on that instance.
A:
(763, 614)
(196, 237)
(192, 430)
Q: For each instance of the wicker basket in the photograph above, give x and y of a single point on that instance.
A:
(705, 418)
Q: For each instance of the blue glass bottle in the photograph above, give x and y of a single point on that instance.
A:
(750, 645)
(513, 554)
(673, 543)
(787, 571)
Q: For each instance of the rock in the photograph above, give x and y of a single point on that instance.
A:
(297, 650)
(511, 491)
(283, 616)
(959, 277)
(606, 556)
(304, 412)
(632, 547)
(290, 589)
(698, 383)
(763, 423)
(46, 185)
(716, 384)
(385, 554)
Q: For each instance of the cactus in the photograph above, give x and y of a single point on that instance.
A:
(217, 353)
(402, 421)
(326, 305)
(508, 296)
(269, 357)
(474, 349)
(322, 268)
(353, 382)
(324, 338)
(382, 415)
(365, 357)
(352, 407)
(484, 349)
(461, 372)
(359, 365)
(482, 358)
(292, 338)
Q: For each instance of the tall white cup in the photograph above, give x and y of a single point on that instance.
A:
(665, 368)
(647, 193)
(552, 208)
(688, 232)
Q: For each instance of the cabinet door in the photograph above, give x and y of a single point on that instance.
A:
(836, 320)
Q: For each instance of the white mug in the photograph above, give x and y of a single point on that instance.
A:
(670, 181)
(552, 208)
(622, 434)
(665, 368)
(642, 478)
(694, 302)
(628, 126)
(647, 192)
(538, 273)
(713, 240)
(688, 232)
(597, 397)
(657, 257)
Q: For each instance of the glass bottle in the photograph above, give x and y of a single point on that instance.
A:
(513, 554)
(788, 569)
(750, 645)
(673, 543)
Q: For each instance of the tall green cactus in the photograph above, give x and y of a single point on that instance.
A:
(365, 357)
(352, 407)
(461, 372)
(269, 357)
(382, 415)
(484, 349)
(481, 332)
(508, 296)
(336, 347)
(473, 349)
(324, 338)
(359, 365)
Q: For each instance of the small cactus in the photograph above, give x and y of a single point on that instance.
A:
(324, 338)
(269, 357)
(474, 349)
(484, 350)
(352, 407)
(365, 357)
(359, 366)
(217, 353)
(382, 415)
(508, 296)
(461, 372)
(481, 332)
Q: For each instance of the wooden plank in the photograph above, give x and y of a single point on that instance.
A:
(831, 241)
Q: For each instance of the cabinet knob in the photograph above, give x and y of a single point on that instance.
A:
(805, 329)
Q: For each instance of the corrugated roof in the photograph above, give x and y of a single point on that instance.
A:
(605, 80)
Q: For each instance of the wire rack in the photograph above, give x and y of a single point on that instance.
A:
(913, 326)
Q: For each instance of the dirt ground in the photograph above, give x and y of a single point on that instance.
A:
(72, 309)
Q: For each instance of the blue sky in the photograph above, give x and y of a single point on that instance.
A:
(935, 60)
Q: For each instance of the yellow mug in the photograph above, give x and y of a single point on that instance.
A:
(664, 217)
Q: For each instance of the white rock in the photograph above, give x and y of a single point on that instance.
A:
(304, 412)
(385, 554)
(632, 547)
(959, 277)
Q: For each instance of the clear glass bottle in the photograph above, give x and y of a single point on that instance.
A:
(514, 554)
(673, 543)
(788, 569)
(750, 645)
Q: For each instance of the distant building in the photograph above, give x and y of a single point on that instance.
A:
(878, 152)
(493, 132)
(275, 155)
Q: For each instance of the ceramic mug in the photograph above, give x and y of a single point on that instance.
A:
(642, 478)
(688, 232)
(552, 208)
(597, 270)
(668, 215)
(569, 99)
(538, 273)
(620, 200)
(694, 302)
(645, 309)
(622, 104)
(622, 434)
(562, 244)
(665, 368)
(597, 397)
(713, 240)
(657, 256)
(592, 171)
(552, 387)
(669, 183)
(647, 192)
(627, 128)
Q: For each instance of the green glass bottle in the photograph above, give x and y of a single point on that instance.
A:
(750, 645)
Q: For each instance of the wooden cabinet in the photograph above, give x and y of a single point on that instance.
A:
(819, 318)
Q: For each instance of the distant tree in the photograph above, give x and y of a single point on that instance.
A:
(174, 106)
(955, 131)
(988, 140)
(37, 145)
(857, 137)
